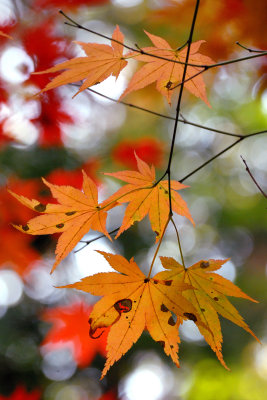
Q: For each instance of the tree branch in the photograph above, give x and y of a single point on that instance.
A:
(178, 108)
(252, 177)
(75, 24)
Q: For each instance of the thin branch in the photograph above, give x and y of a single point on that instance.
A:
(87, 242)
(136, 50)
(211, 159)
(182, 119)
(252, 177)
(178, 108)
(234, 60)
(243, 137)
(249, 49)
(190, 78)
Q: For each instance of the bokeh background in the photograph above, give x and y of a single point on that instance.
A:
(45, 350)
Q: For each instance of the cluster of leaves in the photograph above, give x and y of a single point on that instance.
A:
(133, 301)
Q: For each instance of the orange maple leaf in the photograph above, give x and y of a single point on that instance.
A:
(168, 74)
(71, 330)
(102, 61)
(208, 295)
(132, 302)
(145, 197)
(74, 216)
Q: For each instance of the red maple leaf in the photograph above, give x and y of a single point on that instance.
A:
(148, 149)
(74, 177)
(44, 55)
(69, 4)
(16, 251)
(50, 119)
(20, 393)
(71, 330)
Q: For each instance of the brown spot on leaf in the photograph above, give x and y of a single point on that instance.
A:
(190, 316)
(168, 85)
(40, 207)
(155, 281)
(25, 228)
(59, 226)
(204, 264)
(215, 298)
(123, 306)
(164, 308)
(146, 280)
(70, 213)
(202, 309)
(171, 321)
(168, 283)
(162, 343)
(171, 346)
(92, 333)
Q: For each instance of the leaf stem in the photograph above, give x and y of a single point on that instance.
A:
(157, 250)
(179, 242)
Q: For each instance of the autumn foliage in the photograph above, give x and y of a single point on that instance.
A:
(131, 300)
(104, 314)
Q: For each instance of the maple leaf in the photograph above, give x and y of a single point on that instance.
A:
(133, 302)
(101, 62)
(145, 197)
(208, 295)
(70, 330)
(148, 149)
(168, 74)
(20, 393)
(23, 258)
(74, 216)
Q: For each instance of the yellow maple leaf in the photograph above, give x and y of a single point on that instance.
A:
(132, 302)
(101, 62)
(145, 197)
(74, 216)
(208, 295)
(166, 73)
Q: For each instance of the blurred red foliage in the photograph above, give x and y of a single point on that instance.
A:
(16, 250)
(20, 393)
(69, 4)
(74, 177)
(235, 20)
(108, 396)
(71, 330)
(148, 149)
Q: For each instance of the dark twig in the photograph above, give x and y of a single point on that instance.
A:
(178, 108)
(206, 67)
(249, 49)
(93, 240)
(252, 177)
(182, 119)
(212, 159)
